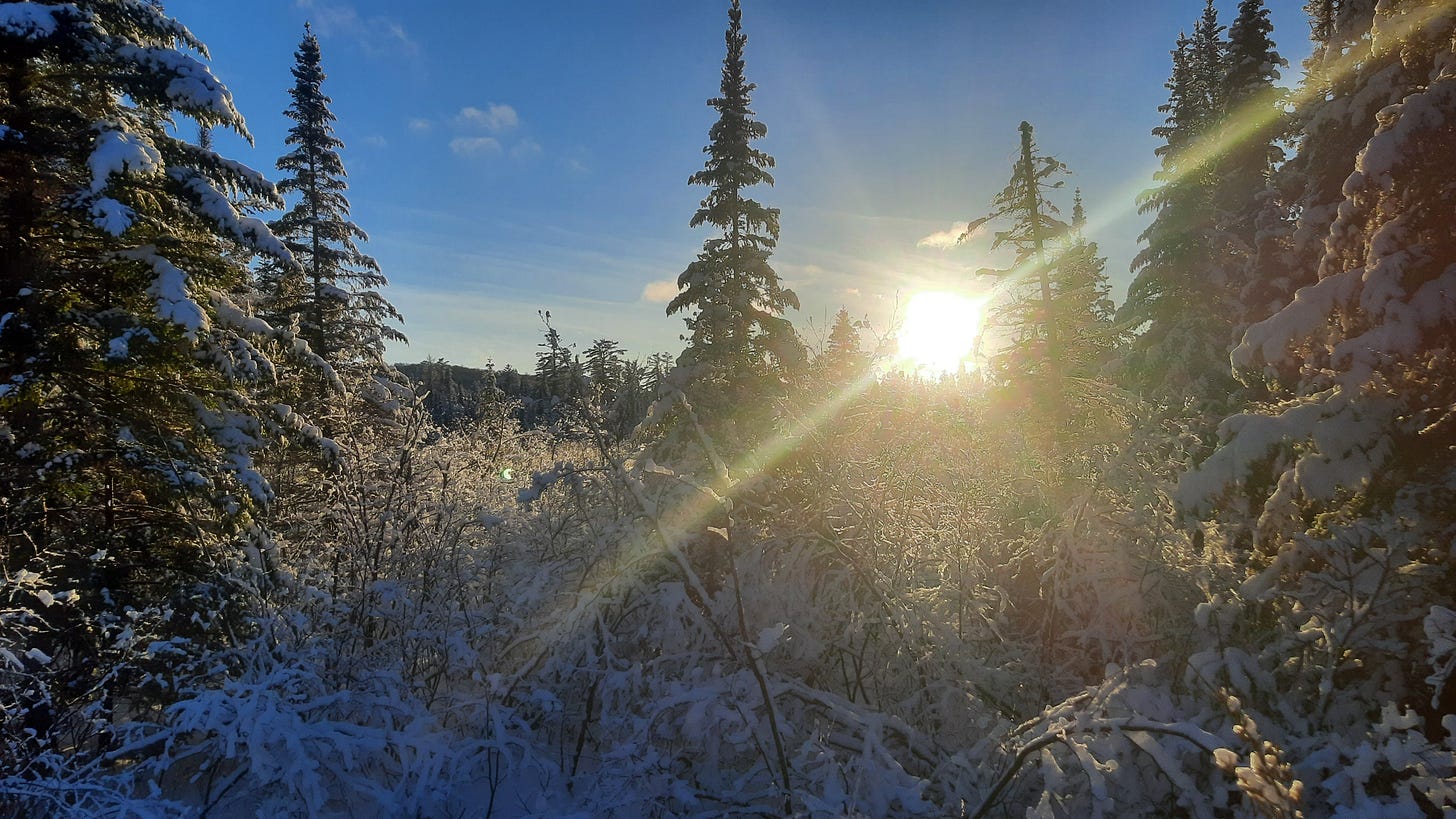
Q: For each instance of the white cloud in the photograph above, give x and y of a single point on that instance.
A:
(953, 235)
(420, 125)
(375, 141)
(377, 36)
(525, 149)
(495, 117)
(660, 292)
(470, 146)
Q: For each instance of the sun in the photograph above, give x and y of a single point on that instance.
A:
(940, 331)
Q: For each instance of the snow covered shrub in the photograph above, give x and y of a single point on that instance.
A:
(272, 731)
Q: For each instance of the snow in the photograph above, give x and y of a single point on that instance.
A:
(33, 21)
(192, 87)
(118, 153)
(112, 216)
(213, 205)
(169, 290)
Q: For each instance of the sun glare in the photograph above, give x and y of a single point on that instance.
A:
(940, 332)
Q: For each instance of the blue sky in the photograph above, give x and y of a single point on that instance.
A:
(508, 157)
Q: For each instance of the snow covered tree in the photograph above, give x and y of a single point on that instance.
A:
(1183, 291)
(1055, 301)
(1330, 124)
(127, 428)
(844, 360)
(335, 296)
(1350, 473)
(738, 334)
(1253, 123)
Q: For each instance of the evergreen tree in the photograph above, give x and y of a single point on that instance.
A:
(604, 369)
(127, 427)
(1084, 303)
(1350, 469)
(554, 364)
(1054, 300)
(335, 297)
(844, 360)
(658, 366)
(1253, 122)
(1180, 302)
(738, 332)
(1330, 124)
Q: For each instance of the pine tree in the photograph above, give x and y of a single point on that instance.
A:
(844, 360)
(127, 427)
(554, 365)
(1253, 122)
(738, 332)
(335, 298)
(604, 370)
(1182, 296)
(1030, 307)
(1350, 471)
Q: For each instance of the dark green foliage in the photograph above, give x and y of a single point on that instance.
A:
(1055, 295)
(844, 360)
(1183, 294)
(739, 336)
(335, 296)
(127, 424)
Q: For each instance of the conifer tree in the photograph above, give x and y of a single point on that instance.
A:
(738, 333)
(1330, 125)
(604, 369)
(1253, 122)
(127, 367)
(1084, 304)
(1183, 291)
(1053, 299)
(335, 297)
(1350, 469)
(844, 360)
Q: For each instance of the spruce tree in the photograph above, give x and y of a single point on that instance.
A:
(844, 360)
(335, 297)
(1030, 307)
(1349, 468)
(738, 334)
(1253, 121)
(1183, 293)
(128, 428)
(1330, 124)
(604, 369)
(1084, 304)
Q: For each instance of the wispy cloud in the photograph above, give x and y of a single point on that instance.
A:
(420, 125)
(494, 117)
(472, 146)
(660, 292)
(377, 36)
(375, 141)
(954, 235)
(525, 149)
